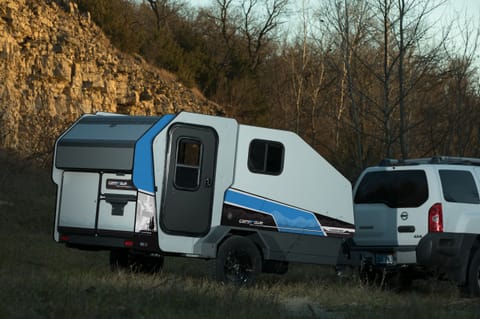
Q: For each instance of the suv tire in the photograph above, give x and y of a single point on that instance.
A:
(473, 278)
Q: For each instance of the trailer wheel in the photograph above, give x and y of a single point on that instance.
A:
(119, 259)
(238, 261)
(473, 278)
(148, 264)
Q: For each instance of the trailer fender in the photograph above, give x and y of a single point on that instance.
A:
(208, 246)
(238, 261)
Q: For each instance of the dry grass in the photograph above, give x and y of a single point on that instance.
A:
(42, 279)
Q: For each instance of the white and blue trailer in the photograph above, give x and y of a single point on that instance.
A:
(249, 198)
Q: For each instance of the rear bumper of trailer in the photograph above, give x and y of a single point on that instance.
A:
(106, 240)
(90, 240)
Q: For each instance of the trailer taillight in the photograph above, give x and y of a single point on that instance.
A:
(435, 218)
(128, 243)
(145, 215)
(64, 238)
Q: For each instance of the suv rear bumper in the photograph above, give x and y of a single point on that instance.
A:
(446, 253)
(381, 256)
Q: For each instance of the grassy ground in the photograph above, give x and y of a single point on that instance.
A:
(42, 279)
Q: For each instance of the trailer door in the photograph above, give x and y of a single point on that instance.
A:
(78, 201)
(190, 173)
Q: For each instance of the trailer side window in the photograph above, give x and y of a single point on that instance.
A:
(266, 157)
(187, 168)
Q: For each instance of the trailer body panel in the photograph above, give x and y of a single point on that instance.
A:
(183, 184)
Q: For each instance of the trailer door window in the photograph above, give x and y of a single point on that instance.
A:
(187, 168)
(266, 157)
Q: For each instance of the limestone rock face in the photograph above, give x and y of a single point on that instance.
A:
(56, 64)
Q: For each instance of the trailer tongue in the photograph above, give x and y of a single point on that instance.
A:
(198, 186)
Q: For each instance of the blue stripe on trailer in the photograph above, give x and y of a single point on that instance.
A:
(287, 218)
(143, 176)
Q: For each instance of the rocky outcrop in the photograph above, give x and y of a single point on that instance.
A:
(56, 64)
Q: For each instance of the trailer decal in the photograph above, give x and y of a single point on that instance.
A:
(238, 216)
(143, 158)
(287, 218)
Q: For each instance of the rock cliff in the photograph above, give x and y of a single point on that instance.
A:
(56, 64)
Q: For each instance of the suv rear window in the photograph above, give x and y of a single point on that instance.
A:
(393, 188)
(459, 187)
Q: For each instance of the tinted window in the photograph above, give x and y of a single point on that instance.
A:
(393, 188)
(265, 157)
(187, 168)
(459, 187)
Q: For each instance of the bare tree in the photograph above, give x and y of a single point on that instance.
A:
(298, 71)
(461, 88)
(164, 10)
(412, 29)
(350, 22)
(260, 20)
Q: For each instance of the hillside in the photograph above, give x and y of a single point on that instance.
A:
(56, 64)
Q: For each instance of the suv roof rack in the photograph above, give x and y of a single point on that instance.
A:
(431, 160)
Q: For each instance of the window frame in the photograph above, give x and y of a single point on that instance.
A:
(388, 193)
(268, 147)
(445, 184)
(197, 166)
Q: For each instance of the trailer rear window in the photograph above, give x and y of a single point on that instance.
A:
(459, 187)
(393, 188)
(266, 157)
(187, 168)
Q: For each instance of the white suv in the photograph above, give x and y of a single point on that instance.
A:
(421, 216)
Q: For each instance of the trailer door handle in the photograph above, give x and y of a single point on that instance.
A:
(208, 182)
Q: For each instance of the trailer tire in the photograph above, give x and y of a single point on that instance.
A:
(473, 277)
(148, 264)
(119, 259)
(238, 262)
(122, 259)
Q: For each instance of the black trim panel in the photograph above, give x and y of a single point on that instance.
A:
(241, 217)
(146, 242)
(94, 242)
(90, 239)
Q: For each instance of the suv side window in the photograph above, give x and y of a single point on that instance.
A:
(459, 187)
(395, 189)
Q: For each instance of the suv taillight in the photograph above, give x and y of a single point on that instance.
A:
(435, 219)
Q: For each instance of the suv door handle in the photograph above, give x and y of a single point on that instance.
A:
(406, 229)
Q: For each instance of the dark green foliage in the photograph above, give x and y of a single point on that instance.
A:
(118, 21)
(192, 48)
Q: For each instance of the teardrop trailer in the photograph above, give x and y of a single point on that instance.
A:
(250, 199)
